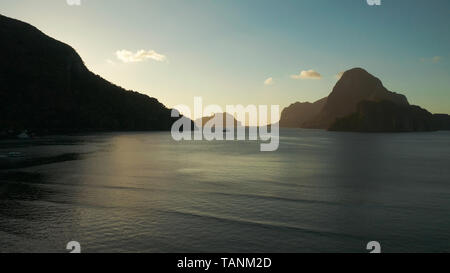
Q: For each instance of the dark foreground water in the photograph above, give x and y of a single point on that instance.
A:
(144, 192)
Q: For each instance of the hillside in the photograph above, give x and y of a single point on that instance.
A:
(297, 114)
(385, 116)
(45, 87)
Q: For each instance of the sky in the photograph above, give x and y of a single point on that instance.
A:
(253, 51)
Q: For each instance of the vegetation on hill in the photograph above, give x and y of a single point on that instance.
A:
(46, 88)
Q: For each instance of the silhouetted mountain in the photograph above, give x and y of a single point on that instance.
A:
(385, 116)
(360, 102)
(355, 85)
(298, 113)
(221, 117)
(441, 121)
(45, 87)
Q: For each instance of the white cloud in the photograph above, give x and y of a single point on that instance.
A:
(269, 81)
(110, 62)
(307, 75)
(435, 59)
(127, 56)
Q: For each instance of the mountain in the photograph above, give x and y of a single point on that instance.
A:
(360, 102)
(221, 117)
(354, 86)
(385, 116)
(297, 114)
(45, 87)
(441, 121)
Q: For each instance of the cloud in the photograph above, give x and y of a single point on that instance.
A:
(110, 62)
(269, 81)
(307, 75)
(435, 59)
(127, 56)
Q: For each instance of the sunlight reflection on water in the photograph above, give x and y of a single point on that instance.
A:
(320, 192)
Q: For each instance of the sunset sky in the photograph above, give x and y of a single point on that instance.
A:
(253, 51)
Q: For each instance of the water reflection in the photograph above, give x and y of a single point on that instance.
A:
(320, 192)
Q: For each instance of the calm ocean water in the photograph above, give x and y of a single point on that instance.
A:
(320, 192)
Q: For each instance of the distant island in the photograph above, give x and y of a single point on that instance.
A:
(359, 102)
(46, 88)
(218, 118)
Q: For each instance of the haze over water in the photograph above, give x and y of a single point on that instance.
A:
(320, 192)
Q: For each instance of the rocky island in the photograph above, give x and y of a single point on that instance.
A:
(359, 102)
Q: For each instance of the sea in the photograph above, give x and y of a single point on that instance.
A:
(320, 192)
